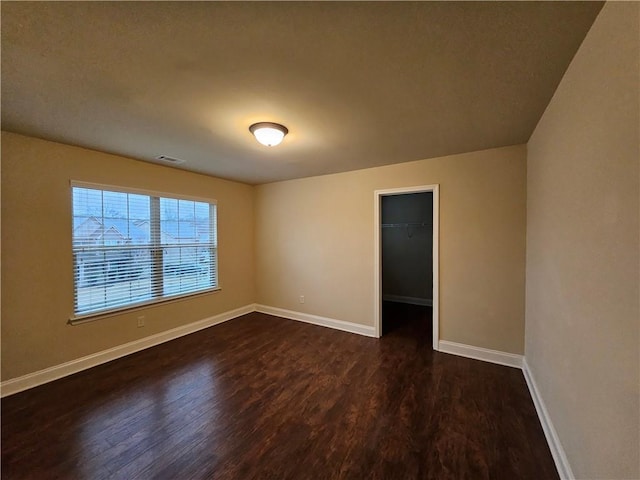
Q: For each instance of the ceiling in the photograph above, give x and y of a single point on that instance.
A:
(358, 84)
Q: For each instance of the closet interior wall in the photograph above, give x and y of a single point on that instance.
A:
(407, 245)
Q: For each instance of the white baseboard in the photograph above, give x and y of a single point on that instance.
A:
(559, 457)
(425, 302)
(40, 377)
(365, 330)
(479, 353)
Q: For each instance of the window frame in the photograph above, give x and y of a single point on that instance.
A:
(76, 318)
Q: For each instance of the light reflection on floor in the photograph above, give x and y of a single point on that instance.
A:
(145, 414)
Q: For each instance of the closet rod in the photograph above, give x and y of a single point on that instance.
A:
(396, 225)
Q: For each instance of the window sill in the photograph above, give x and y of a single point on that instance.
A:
(80, 319)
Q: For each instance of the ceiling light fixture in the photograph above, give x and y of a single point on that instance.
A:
(269, 134)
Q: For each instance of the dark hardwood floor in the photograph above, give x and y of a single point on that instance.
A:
(261, 397)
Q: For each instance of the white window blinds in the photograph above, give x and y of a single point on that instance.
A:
(131, 249)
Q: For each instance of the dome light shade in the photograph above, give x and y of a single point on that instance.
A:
(269, 134)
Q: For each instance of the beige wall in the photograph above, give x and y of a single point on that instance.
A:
(582, 251)
(37, 288)
(315, 237)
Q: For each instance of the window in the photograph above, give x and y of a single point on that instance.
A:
(132, 248)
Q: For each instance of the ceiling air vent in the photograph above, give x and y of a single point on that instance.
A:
(171, 160)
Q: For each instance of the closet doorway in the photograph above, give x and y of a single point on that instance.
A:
(406, 259)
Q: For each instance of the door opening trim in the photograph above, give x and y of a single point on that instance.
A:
(377, 295)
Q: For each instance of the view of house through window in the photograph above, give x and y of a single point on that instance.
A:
(131, 248)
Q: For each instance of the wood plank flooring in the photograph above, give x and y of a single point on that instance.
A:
(262, 397)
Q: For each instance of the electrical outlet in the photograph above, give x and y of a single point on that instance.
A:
(141, 321)
(301, 298)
